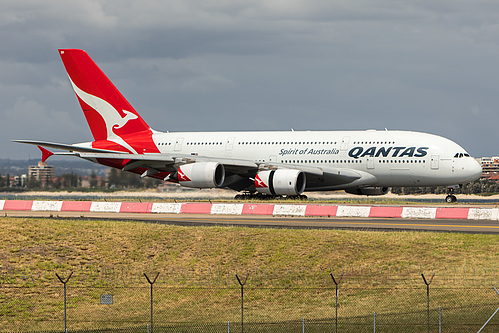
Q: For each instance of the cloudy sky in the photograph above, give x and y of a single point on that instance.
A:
(422, 65)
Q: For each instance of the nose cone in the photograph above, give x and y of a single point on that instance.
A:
(473, 170)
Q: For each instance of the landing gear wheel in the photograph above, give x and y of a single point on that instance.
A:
(451, 198)
(296, 197)
(260, 196)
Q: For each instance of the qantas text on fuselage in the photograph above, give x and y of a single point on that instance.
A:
(266, 163)
(388, 152)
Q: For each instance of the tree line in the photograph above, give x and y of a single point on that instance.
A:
(480, 186)
(115, 179)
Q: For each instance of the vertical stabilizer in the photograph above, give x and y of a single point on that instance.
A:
(113, 121)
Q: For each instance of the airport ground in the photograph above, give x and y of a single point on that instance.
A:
(383, 274)
(220, 195)
(224, 196)
(359, 224)
(462, 253)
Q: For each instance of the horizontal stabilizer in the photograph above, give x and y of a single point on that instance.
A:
(45, 153)
(63, 146)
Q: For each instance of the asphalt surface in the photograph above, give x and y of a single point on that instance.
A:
(381, 224)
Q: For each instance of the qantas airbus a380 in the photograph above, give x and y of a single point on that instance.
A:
(256, 163)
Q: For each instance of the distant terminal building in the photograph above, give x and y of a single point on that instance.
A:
(42, 172)
(490, 167)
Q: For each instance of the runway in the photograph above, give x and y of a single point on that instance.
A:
(379, 224)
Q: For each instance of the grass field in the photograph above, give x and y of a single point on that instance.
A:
(66, 245)
(288, 275)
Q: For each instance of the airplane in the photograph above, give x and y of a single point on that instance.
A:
(256, 164)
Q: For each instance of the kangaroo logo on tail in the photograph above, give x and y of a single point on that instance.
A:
(111, 116)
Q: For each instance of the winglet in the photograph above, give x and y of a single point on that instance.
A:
(45, 153)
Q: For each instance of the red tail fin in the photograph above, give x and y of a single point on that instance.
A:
(110, 117)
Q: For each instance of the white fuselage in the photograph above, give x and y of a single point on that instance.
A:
(383, 158)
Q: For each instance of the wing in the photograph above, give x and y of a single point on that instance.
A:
(70, 148)
(240, 172)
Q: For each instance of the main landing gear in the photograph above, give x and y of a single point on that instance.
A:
(260, 196)
(451, 198)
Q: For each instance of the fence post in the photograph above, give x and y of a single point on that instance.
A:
(242, 299)
(336, 306)
(439, 319)
(375, 322)
(64, 282)
(151, 283)
(428, 298)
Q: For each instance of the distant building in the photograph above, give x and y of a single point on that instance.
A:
(490, 167)
(42, 172)
(18, 181)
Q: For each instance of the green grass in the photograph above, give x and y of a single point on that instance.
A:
(288, 275)
(87, 247)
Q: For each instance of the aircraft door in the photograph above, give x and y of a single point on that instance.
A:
(344, 143)
(435, 162)
(370, 163)
(230, 144)
(178, 144)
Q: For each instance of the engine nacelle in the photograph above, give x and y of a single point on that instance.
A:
(369, 190)
(201, 175)
(280, 182)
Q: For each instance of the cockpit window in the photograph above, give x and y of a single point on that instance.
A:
(459, 155)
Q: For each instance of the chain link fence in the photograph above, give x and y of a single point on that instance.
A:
(348, 300)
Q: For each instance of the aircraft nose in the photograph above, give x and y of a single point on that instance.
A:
(474, 170)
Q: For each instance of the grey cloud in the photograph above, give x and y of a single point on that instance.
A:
(258, 65)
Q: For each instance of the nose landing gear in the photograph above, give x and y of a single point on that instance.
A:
(451, 198)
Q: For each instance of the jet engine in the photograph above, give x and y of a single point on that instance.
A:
(280, 182)
(201, 175)
(368, 190)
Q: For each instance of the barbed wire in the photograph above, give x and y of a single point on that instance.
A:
(260, 276)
